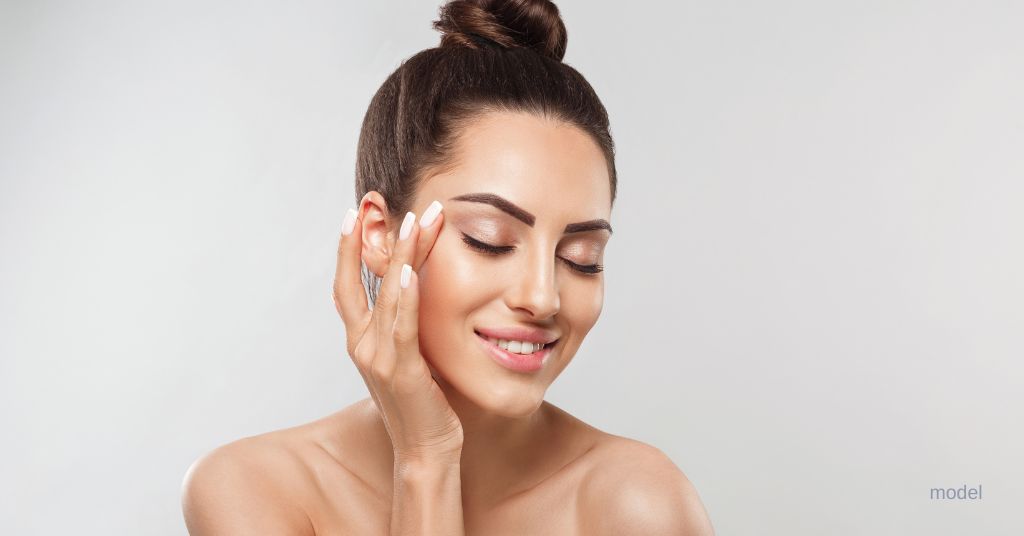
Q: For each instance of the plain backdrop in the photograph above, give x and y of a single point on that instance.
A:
(813, 297)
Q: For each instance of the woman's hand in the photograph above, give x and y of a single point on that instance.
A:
(384, 343)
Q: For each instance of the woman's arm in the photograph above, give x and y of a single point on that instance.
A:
(427, 499)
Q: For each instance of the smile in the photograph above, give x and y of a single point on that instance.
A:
(531, 362)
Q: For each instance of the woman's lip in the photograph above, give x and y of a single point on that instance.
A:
(517, 333)
(485, 337)
(517, 362)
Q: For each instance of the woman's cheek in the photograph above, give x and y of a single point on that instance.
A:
(597, 303)
(446, 280)
(582, 304)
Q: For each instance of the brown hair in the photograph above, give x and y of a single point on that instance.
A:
(494, 55)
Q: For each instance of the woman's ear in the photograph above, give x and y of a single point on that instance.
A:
(378, 236)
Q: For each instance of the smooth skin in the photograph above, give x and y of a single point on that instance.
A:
(450, 442)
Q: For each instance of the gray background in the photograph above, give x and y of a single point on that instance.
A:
(813, 298)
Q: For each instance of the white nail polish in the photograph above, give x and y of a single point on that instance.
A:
(349, 223)
(403, 233)
(406, 273)
(430, 214)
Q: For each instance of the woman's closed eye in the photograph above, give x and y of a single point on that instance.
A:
(483, 247)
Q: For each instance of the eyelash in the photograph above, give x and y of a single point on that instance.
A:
(588, 269)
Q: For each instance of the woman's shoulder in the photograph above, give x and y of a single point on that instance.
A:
(631, 485)
(242, 486)
(265, 482)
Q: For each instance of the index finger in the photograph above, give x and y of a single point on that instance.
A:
(349, 298)
(431, 222)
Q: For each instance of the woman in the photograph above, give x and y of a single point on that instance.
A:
(504, 154)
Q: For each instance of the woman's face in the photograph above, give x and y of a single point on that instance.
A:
(557, 176)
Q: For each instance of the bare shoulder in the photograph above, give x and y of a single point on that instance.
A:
(635, 488)
(260, 484)
(244, 487)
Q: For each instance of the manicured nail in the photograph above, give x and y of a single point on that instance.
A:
(406, 272)
(349, 223)
(403, 233)
(430, 214)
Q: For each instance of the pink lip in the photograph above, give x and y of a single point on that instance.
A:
(517, 362)
(518, 333)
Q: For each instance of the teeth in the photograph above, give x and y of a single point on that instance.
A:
(516, 347)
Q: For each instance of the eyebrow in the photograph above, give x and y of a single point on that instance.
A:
(522, 215)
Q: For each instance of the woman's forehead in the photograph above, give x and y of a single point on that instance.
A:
(522, 145)
(530, 161)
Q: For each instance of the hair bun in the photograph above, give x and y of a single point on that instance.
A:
(533, 24)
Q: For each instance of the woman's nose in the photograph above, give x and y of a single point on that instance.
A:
(536, 290)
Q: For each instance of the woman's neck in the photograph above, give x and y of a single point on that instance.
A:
(501, 455)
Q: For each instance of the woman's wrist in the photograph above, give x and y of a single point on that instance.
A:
(442, 454)
(428, 473)
(427, 463)
(428, 496)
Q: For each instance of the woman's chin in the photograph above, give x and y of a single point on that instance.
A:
(511, 401)
(495, 395)
(521, 410)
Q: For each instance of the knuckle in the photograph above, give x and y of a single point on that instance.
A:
(382, 370)
(361, 355)
(384, 301)
(403, 334)
(363, 361)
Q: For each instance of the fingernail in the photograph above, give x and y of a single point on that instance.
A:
(430, 214)
(403, 233)
(349, 223)
(406, 272)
